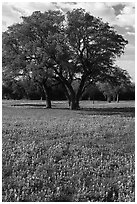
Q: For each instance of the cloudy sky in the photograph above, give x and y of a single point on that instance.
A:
(121, 15)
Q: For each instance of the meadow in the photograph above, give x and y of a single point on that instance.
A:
(54, 155)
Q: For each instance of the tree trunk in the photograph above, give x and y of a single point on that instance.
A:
(47, 95)
(109, 99)
(48, 102)
(74, 103)
(72, 97)
(117, 98)
(114, 98)
(68, 90)
(66, 93)
(77, 104)
(93, 100)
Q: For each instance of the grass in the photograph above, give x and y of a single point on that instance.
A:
(63, 155)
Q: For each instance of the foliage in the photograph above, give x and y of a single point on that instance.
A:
(113, 89)
(50, 46)
(29, 90)
(61, 155)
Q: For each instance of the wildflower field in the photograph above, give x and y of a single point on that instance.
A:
(63, 155)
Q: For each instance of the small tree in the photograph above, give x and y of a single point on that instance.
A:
(112, 89)
(107, 91)
(92, 91)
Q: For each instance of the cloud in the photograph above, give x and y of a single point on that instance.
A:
(12, 11)
(130, 33)
(127, 16)
(118, 3)
(129, 54)
(128, 65)
(106, 11)
(10, 15)
(4, 23)
(101, 10)
(41, 6)
(18, 10)
(96, 9)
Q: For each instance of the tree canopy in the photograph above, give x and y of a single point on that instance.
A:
(53, 47)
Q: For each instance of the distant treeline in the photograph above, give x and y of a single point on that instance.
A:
(22, 90)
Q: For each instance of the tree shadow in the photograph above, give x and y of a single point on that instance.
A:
(39, 106)
(29, 105)
(125, 111)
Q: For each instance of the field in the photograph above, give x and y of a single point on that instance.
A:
(63, 155)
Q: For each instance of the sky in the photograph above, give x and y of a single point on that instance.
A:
(120, 15)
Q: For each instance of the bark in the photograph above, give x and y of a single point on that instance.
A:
(47, 95)
(117, 98)
(68, 90)
(72, 97)
(48, 103)
(81, 87)
(114, 98)
(77, 104)
(109, 99)
(66, 93)
(93, 100)
(74, 103)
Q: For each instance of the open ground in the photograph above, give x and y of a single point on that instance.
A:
(63, 155)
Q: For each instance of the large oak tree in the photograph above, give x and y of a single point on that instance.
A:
(53, 47)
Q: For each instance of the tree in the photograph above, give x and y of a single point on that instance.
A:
(122, 82)
(107, 90)
(112, 89)
(24, 48)
(93, 92)
(53, 47)
(94, 46)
